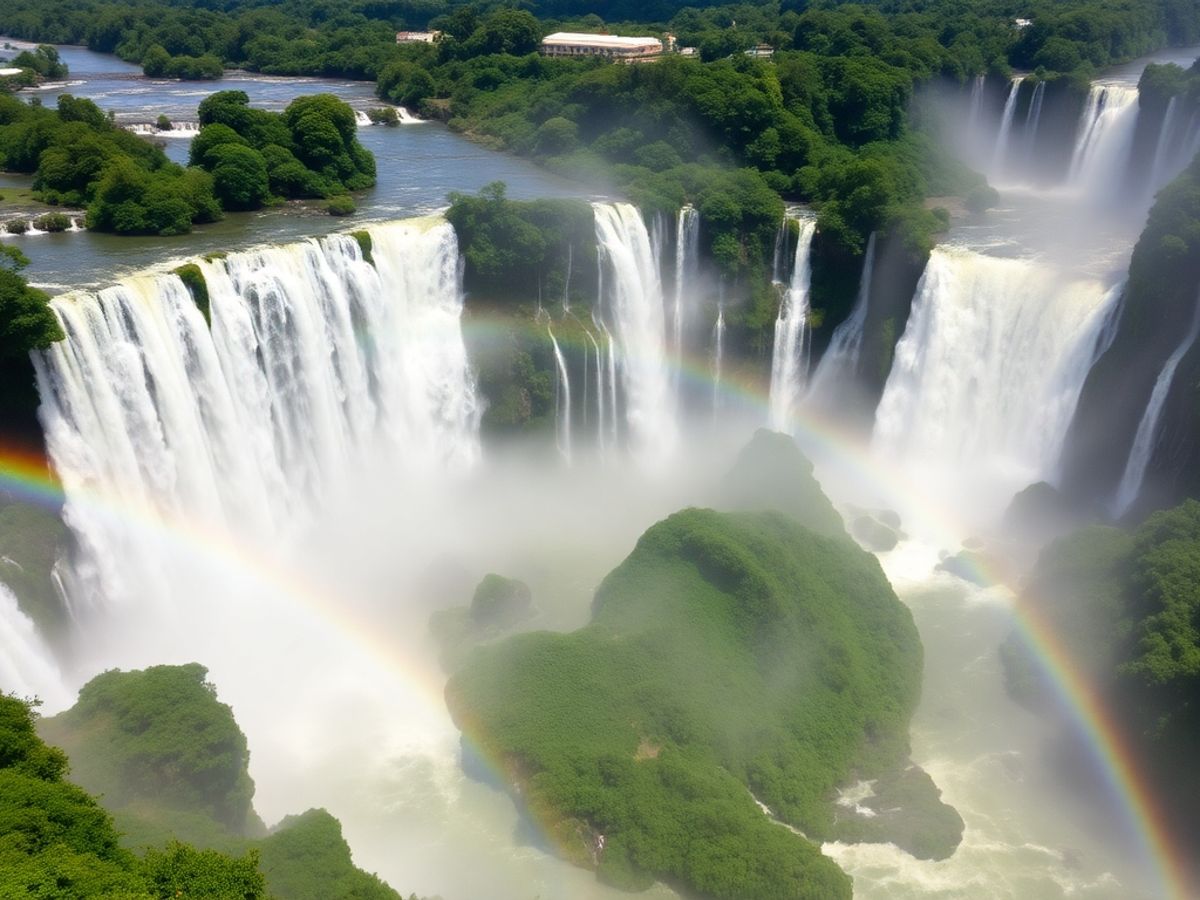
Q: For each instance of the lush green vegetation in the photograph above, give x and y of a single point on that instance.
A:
(57, 843)
(80, 158)
(306, 858)
(729, 654)
(159, 738)
(310, 150)
(26, 321)
(169, 762)
(1125, 604)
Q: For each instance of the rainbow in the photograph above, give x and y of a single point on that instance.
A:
(27, 476)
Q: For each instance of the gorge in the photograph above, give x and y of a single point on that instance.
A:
(286, 483)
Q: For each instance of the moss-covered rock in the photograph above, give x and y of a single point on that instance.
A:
(364, 244)
(193, 280)
(729, 657)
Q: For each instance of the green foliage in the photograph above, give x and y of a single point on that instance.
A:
(158, 63)
(728, 652)
(193, 279)
(53, 222)
(306, 858)
(158, 737)
(57, 843)
(79, 158)
(523, 251)
(26, 321)
(341, 205)
(311, 150)
(499, 605)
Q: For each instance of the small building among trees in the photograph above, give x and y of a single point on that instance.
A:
(566, 43)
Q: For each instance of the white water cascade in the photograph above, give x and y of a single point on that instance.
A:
(687, 241)
(633, 302)
(1146, 438)
(840, 362)
(1104, 139)
(987, 375)
(718, 341)
(790, 352)
(562, 399)
(1000, 153)
(27, 667)
(316, 362)
(1033, 119)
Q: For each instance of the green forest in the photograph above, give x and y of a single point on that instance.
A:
(141, 791)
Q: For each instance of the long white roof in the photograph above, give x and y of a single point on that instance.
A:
(599, 40)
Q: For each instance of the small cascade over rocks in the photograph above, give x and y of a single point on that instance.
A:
(186, 130)
(791, 349)
(315, 363)
(631, 300)
(1148, 428)
(987, 374)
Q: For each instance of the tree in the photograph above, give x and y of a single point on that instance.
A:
(239, 176)
(26, 320)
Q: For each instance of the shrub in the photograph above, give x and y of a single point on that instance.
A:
(341, 205)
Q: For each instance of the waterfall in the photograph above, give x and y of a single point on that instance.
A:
(789, 356)
(1147, 432)
(562, 400)
(316, 362)
(1167, 160)
(687, 239)
(634, 302)
(976, 107)
(840, 361)
(1033, 119)
(27, 668)
(718, 341)
(987, 374)
(1104, 139)
(1000, 152)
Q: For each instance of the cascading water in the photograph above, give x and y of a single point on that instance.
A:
(1033, 119)
(718, 342)
(1147, 432)
(314, 360)
(840, 361)
(987, 374)
(562, 400)
(634, 303)
(687, 240)
(1104, 139)
(27, 667)
(789, 356)
(1001, 152)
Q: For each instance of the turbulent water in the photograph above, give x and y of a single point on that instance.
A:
(27, 667)
(1105, 139)
(792, 345)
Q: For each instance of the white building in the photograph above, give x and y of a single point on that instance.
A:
(566, 43)
(417, 37)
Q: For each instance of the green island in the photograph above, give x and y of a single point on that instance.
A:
(149, 797)
(739, 668)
